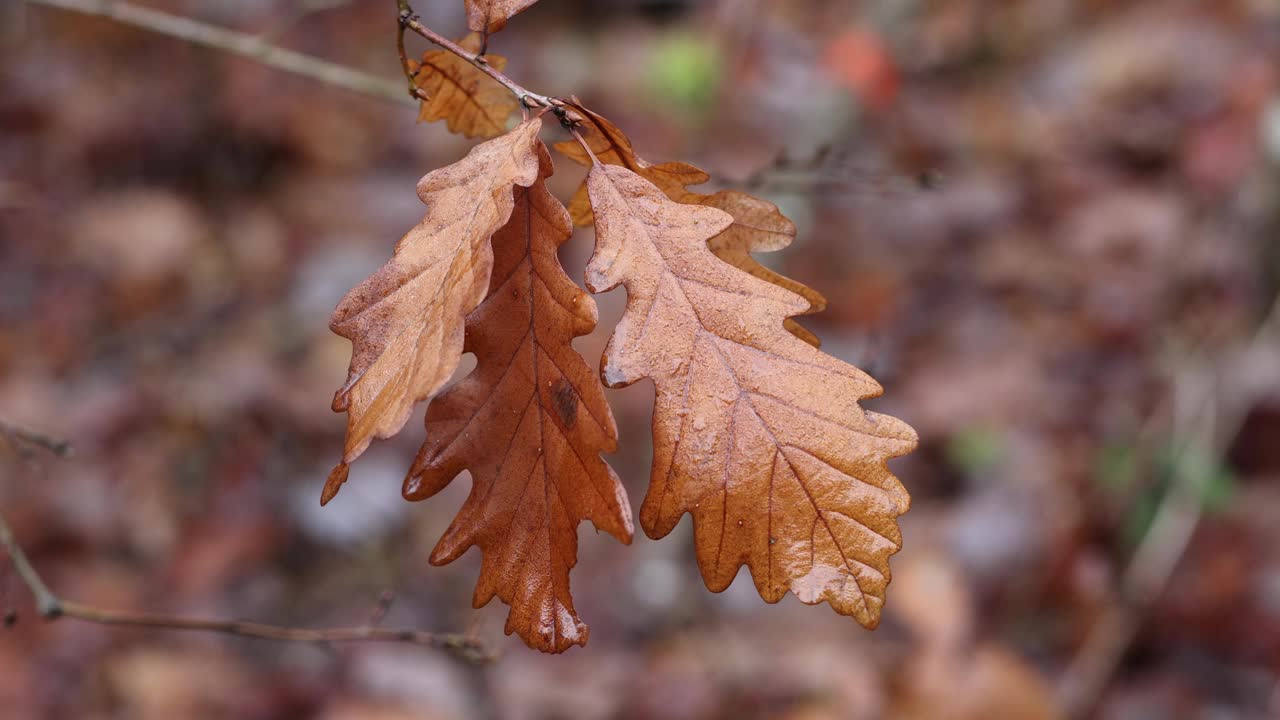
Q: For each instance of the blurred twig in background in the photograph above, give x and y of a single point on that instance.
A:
(52, 607)
(1210, 404)
(237, 43)
(298, 12)
(24, 440)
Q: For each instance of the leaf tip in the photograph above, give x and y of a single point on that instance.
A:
(337, 477)
(413, 488)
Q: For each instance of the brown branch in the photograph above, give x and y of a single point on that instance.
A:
(528, 98)
(236, 43)
(53, 607)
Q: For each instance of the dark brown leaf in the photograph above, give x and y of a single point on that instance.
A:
(530, 424)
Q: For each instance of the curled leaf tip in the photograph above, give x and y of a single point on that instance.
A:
(337, 477)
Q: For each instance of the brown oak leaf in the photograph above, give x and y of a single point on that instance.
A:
(529, 423)
(405, 321)
(490, 16)
(758, 225)
(469, 101)
(756, 433)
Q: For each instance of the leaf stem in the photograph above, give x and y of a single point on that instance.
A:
(578, 136)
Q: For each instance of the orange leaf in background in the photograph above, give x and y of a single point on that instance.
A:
(530, 424)
(859, 60)
(758, 225)
(756, 433)
(490, 16)
(405, 321)
(469, 101)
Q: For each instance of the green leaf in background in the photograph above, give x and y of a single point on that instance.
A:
(1115, 469)
(975, 449)
(685, 71)
(1199, 469)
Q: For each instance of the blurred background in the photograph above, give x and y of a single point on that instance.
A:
(1050, 228)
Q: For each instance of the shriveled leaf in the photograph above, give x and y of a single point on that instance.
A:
(758, 225)
(756, 433)
(405, 321)
(490, 16)
(470, 102)
(529, 423)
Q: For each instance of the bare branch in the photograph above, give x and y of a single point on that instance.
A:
(528, 98)
(236, 43)
(53, 607)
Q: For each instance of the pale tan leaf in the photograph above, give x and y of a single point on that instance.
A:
(469, 101)
(758, 225)
(405, 321)
(756, 433)
(490, 16)
(529, 423)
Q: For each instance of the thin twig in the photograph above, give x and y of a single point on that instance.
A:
(296, 14)
(527, 97)
(410, 73)
(15, 435)
(236, 43)
(53, 607)
(1206, 416)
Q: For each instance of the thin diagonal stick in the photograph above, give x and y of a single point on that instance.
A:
(236, 43)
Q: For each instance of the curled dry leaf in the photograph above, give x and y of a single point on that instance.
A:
(469, 101)
(405, 321)
(758, 225)
(756, 433)
(529, 423)
(489, 16)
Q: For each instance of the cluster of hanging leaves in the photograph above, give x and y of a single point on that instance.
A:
(757, 433)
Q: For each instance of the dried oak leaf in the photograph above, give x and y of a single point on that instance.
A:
(529, 423)
(758, 225)
(756, 433)
(405, 321)
(469, 101)
(490, 16)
